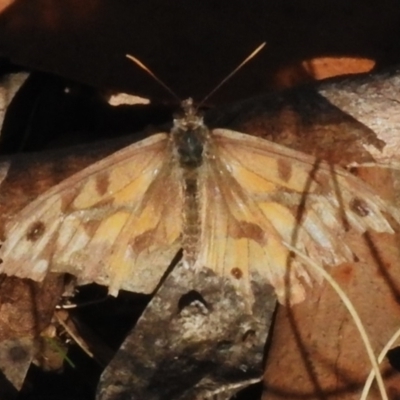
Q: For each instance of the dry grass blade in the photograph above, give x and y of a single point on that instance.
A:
(381, 356)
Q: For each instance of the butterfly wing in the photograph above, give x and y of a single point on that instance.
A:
(258, 195)
(117, 222)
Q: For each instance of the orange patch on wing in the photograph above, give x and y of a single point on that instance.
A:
(102, 183)
(236, 273)
(359, 207)
(35, 231)
(284, 169)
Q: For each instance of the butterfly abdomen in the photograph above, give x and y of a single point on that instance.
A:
(191, 225)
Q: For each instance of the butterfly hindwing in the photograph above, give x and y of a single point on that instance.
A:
(105, 224)
(237, 241)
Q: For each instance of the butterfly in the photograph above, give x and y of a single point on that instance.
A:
(230, 200)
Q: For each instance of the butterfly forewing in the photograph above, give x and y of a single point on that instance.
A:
(106, 224)
(268, 195)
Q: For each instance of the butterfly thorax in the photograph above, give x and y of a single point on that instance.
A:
(189, 136)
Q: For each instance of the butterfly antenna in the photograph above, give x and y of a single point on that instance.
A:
(253, 54)
(141, 65)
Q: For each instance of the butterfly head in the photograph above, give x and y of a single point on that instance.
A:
(189, 135)
(189, 117)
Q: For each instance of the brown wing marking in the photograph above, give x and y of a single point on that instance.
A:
(82, 225)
